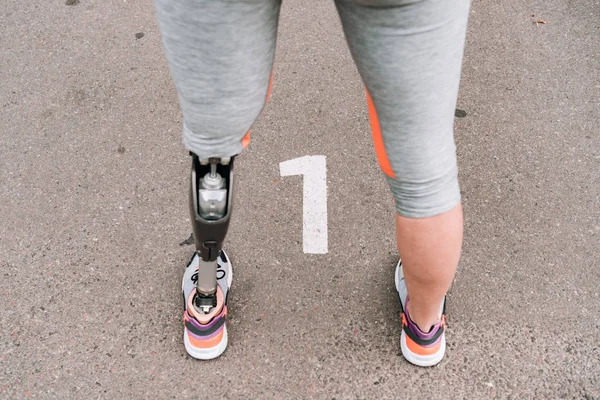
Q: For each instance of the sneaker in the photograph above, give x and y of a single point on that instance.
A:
(419, 348)
(205, 335)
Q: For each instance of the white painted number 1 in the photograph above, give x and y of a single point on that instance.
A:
(314, 207)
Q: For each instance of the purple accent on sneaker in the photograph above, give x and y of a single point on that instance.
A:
(418, 332)
(207, 326)
(205, 337)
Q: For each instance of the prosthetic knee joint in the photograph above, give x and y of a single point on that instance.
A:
(211, 190)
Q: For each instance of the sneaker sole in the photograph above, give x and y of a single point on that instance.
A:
(422, 361)
(205, 354)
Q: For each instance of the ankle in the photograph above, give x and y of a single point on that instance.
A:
(423, 320)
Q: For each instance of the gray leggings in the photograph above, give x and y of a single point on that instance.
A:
(408, 53)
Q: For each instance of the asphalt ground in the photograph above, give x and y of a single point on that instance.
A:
(93, 213)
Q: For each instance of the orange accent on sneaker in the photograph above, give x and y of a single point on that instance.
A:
(420, 350)
(206, 344)
(443, 322)
(404, 323)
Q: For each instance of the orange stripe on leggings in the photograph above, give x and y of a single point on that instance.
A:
(269, 89)
(246, 138)
(384, 162)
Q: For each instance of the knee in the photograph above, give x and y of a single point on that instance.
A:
(426, 196)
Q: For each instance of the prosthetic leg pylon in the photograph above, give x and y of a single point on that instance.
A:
(211, 188)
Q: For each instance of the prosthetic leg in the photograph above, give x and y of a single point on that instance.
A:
(220, 56)
(211, 189)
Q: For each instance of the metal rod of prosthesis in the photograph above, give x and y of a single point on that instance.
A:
(210, 208)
